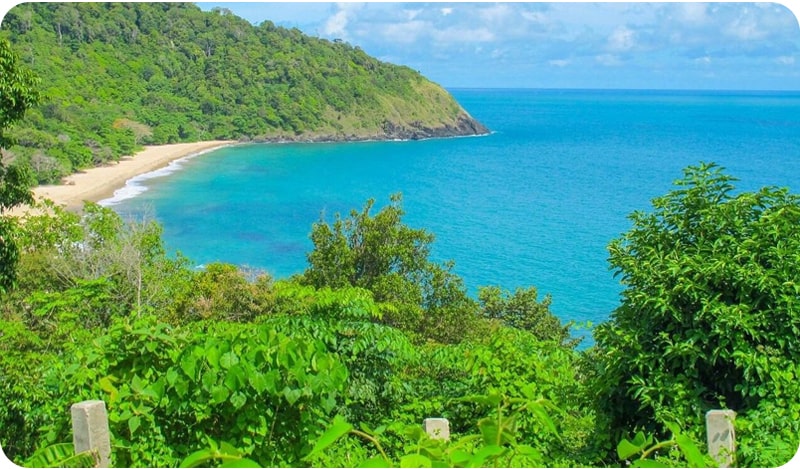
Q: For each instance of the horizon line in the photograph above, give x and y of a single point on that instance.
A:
(556, 88)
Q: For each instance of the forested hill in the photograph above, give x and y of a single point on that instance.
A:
(119, 75)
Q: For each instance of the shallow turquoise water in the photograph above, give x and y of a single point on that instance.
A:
(534, 203)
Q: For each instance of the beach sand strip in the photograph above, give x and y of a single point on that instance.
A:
(96, 184)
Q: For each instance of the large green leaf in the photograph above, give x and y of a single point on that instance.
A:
(337, 429)
(197, 458)
(690, 451)
(219, 394)
(415, 460)
(626, 449)
(61, 455)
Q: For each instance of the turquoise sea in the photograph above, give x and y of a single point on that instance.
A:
(534, 203)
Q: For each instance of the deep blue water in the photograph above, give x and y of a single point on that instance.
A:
(534, 203)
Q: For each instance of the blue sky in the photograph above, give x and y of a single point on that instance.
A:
(563, 45)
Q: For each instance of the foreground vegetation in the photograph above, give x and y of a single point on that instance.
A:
(116, 76)
(340, 365)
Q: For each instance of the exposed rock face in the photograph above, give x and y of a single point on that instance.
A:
(464, 126)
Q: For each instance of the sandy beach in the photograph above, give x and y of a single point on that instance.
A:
(99, 183)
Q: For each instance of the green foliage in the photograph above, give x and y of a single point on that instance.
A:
(221, 291)
(496, 444)
(512, 363)
(222, 367)
(709, 315)
(224, 452)
(119, 75)
(381, 254)
(678, 451)
(18, 93)
(522, 311)
(70, 251)
(170, 390)
(21, 365)
(374, 354)
(62, 455)
(9, 253)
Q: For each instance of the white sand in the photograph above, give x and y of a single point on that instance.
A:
(99, 183)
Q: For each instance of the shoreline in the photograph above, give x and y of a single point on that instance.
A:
(100, 183)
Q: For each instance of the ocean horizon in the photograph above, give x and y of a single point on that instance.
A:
(534, 203)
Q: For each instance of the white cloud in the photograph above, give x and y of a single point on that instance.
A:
(446, 11)
(336, 25)
(690, 12)
(785, 60)
(411, 14)
(608, 60)
(458, 35)
(405, 33)
(351, 6)
(746, 26)
(745, 30)
(496, 13)
(536, 17)
(705, 60)
(622, 39)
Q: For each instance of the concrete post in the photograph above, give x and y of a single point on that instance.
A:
(721, 436)
(90, 430)
(437, 428)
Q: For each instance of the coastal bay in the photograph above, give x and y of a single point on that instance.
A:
(345, 259)
(551, 186)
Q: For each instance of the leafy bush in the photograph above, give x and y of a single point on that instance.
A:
(169, 390)
(18, 92)
(710, 314)
(63, 250)
(222, 292)
(496, 445)
(375, 354)
(522, 310)
(383, 255)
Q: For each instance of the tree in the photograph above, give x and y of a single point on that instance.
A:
(18, 89)
(710, 315)
(381, 254)
(18, 93)
(522, 310)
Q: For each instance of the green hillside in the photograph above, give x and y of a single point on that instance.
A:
(120, 75)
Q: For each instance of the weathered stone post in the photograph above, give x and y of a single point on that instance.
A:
(721, 436)
(90, 430)
(437, 428)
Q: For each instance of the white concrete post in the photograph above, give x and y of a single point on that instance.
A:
(90, 430)
(437, 428)
(721, 436)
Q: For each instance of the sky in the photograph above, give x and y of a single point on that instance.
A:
(742, 46)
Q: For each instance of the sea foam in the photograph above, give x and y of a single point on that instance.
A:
(137, 184)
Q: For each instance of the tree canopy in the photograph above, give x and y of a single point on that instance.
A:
(18, 93)
(710, 314)
(338, 368)
(383, 255)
